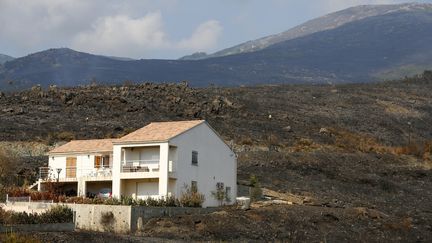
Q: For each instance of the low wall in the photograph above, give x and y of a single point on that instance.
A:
(104, 218)
(109, 218)
(60, 227)
(140, 215)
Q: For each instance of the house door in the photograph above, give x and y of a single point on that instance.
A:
(71, 167)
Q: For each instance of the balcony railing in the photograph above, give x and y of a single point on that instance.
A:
(140, 166)
(72, 173)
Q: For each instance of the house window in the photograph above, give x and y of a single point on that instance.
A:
(227, 191)
(106, 161)
(220, 185)
(194, 158)
(194, 186)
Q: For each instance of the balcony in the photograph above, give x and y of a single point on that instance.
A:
(140, 166)
(70, 174)
(142, 169)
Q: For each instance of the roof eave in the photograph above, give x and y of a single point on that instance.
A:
(79, 152)
(140, 142)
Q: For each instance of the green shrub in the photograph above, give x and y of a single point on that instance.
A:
(255, 191)
(112, 201)
(151, 202)
(57, 214)
(130, 201)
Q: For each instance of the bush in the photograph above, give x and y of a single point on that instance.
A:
(255, 191)
(57, 214)
(190, 198)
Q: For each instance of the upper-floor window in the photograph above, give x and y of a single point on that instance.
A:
(194, 158)
(106, 161)
(102, 161)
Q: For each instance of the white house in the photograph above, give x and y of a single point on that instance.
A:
(158, 160)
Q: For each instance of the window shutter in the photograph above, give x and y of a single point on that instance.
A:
(97, 161)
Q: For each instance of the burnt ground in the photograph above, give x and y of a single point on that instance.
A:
(355, 160)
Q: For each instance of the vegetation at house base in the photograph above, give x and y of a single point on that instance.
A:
(221, 194)
(56, 214)
(190, 197)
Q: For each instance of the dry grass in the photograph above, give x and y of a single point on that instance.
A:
(398, 110)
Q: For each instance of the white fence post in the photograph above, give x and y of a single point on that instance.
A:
(7, 198)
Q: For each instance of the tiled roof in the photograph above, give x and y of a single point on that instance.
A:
(82, 146)
(159, 131)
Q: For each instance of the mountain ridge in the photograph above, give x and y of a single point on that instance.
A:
(370, 49)
(5, 58)
(326, 22)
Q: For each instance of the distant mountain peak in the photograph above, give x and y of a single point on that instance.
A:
(326, 22)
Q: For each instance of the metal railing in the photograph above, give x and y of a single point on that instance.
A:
(143, 166)
(96, 172)
(140, 166)
(24, 199)
(72, 173)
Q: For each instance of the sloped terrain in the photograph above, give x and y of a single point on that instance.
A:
(354, 159)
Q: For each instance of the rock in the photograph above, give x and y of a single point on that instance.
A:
(53, 88)
(67, 96)
(8, 110)
(20, 111)
(2, 94)
(288, 129)
(36, 88)
(324, 130)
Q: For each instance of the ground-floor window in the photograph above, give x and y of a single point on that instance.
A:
(194, 186)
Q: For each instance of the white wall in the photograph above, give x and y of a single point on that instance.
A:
(84, 164)
(216, 163)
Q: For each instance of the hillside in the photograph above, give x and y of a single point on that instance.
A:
(369, 49)
(327, 22)
(5, 58)
(339, 152)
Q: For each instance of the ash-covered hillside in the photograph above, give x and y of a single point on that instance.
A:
(355, 160)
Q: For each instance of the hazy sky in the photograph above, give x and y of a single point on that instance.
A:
(152, 28)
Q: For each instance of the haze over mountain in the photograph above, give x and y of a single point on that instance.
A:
(356, 45)
(5, 58)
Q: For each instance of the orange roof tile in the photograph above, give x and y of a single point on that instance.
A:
(160, 131)
(82, 146)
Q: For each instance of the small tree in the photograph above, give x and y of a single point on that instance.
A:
(255, 191)
(219, 194)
